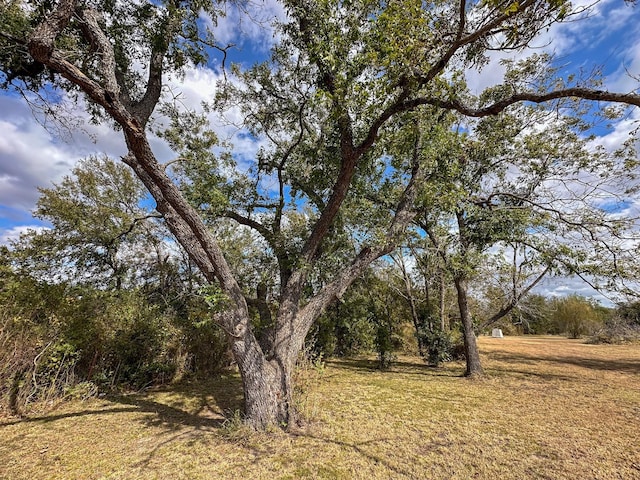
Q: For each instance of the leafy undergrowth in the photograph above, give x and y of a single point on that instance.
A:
(550, 408)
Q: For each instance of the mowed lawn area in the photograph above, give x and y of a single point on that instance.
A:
(550, 408)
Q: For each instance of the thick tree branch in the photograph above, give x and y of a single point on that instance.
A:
(499, 106)
(405, 213)
(143, 108)
(402, 103)
(181, 218)
(42, 39)
(91, 28)
(253, 224)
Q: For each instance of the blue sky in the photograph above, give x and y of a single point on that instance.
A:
(32, 156)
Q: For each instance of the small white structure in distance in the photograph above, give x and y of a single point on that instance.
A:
(497, 333)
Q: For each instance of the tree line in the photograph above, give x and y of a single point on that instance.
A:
(105, 299)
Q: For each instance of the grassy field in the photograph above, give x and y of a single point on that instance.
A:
(551, 408)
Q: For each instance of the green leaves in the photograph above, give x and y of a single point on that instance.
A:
(96, 225)
(16, 23)
(215, 298)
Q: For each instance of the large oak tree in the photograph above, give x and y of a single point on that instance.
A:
(355, 99)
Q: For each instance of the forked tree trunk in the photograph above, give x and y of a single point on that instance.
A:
(268, 396)
(474, 367)
(267, 376)
(267, 387)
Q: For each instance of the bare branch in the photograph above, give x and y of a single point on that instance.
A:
(515, 300)
(255, 225)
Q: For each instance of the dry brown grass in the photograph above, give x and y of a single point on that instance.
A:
(551, 408)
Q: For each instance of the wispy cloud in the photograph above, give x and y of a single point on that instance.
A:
(9, 235)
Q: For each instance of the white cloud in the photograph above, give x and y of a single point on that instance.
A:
(602, 24)
(625, 77)
(199, 86)
(29, 157)
(32, 157)
(251, 22)
(564, 286)
(12, 234)
(622, 131)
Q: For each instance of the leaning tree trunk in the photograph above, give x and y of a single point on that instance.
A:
(474, 367)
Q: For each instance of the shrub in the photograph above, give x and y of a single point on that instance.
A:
(440, 346)
(384, 346)
(616, 331)
(81, 391)
(437, 346)
(32, 373)
(576, 316)
(155, 373)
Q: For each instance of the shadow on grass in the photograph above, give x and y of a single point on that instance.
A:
(498, 372)
(397, 367)
(62, 416)
(214, 400)
(626, 366)
(358, 447)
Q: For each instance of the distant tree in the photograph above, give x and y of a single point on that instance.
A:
(100, 234)
(630, 312)
(499, 191)
(420, 314)
(387, 312)
(576, 316)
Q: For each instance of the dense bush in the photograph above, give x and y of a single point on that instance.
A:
(629, 313)
(440, 346)
(384, 346)
(616, 332)
(342, 332)
(437, 346)
(65, 337)
(622, 327)
(102, 299)
(577, 316)
(369, 318)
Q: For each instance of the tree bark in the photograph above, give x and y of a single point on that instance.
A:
(412, 302)
(474, 367)
(267, 388)
(444, 321)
